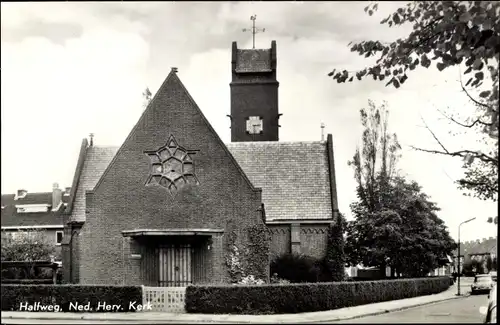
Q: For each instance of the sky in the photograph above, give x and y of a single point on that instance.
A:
(73, 68)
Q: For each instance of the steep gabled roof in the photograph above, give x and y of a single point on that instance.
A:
(96, 161)
(167, 89)
(294, 177)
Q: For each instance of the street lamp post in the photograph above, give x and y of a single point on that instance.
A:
(458, 294)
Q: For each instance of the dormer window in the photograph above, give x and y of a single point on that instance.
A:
(31, 208)
(21, 194)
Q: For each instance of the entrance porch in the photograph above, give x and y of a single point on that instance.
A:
(172, 257)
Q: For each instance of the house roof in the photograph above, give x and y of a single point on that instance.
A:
(478, 247)
(11, 218)
(294, 177)
(255, 60)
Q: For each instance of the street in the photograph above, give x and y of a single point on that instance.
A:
(462, 310)
(465, 310)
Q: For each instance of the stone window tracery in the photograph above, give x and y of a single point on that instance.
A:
(172, 167)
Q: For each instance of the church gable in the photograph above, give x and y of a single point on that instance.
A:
(173, 170)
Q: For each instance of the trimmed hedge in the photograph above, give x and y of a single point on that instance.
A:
(68, 296)
(310, 297)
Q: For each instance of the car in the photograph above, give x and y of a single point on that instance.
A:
(490, 311)
(482, 284)
(493, 275)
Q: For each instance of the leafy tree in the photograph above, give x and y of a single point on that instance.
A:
(29, 245)
(335, 257)
(395, 223)
(450, 33)
(489, 263)
(493, 220)
(473, 266)
(376, 162)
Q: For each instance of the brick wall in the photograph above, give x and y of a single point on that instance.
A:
(280, 239)
(121, 200)
(254, 94)
(312, 239)
(254, 100)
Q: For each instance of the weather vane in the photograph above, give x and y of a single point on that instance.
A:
(254, 30)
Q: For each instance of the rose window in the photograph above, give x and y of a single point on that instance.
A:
(171, 167)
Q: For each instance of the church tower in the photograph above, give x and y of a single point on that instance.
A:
(254, 95)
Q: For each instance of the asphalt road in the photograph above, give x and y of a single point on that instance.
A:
(465, 310)
(55, 321)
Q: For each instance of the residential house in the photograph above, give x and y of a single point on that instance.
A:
(24, 211)
(479, 249)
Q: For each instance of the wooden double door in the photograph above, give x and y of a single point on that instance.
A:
(174, 262)
(175, 265)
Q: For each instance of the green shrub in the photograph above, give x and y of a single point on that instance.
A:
(301, 297)
(298, 268)
(63, 295)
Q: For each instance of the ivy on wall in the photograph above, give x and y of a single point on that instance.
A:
(258, 252)
(253, 261)
(233, 258)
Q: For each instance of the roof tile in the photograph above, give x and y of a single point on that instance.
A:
(97, 159)
(294, 177)
(11, 218)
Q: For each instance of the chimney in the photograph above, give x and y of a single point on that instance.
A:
(21, 194)
(91, 135)
(67, 191)
(56, 197)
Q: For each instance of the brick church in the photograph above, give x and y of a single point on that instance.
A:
(161, 209)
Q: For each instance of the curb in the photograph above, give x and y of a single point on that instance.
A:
(388, 310)
(227, 321)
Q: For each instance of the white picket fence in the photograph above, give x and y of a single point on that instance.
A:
(165, 299)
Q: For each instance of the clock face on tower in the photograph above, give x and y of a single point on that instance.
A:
(255, 125)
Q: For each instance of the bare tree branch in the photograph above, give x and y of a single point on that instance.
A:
(433, 135)
(465, 125)
(461, 153)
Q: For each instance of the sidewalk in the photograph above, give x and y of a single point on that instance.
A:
(323, 316)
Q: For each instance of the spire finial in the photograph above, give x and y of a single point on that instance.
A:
(91, 135)
(254, 30)
(322, 131)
